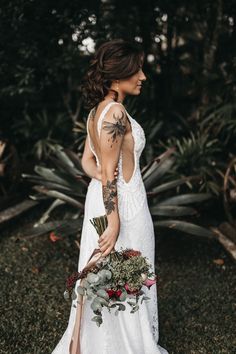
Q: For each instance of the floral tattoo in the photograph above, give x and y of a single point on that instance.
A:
(109, 192)
(115, 129)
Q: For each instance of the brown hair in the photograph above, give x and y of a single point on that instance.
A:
(113, 60)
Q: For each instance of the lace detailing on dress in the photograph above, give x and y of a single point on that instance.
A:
(155, 320)
(131, 195)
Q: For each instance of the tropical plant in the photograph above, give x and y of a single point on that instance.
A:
(225, 231)
(220, 121)
(163, 205)
(41, 131)
(9, 168)
(198, 154)
(80, 129)
(230, 190)
(66, 183)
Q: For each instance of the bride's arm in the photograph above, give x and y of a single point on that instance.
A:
(89, 165)
(111, 138)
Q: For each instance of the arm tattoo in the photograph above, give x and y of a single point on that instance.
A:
(115, 129)
(109, 192)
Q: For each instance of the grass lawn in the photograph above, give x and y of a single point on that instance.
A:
(196, 297)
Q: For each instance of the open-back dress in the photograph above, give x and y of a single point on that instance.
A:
(126, 333)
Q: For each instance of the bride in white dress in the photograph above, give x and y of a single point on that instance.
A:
(115, 139)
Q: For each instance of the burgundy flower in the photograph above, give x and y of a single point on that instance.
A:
(111, 292)
(118, 293)
(128, 253)
(72, 280)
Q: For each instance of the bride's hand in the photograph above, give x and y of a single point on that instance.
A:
(108, 240)
(99, 173)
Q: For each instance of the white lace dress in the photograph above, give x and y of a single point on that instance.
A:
(127, 333)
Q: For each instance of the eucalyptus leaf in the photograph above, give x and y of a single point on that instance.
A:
(103, 301)
(66, 295)
(73, 295)
(123, 296)
(81, 290)
(102, 276)
(86, 284)
(121, 307)
(98, 320)
(108, 274)
(144, 298)
(103, 294)
(92, 278)
(90, 292)
(95, 305)
(135, 308)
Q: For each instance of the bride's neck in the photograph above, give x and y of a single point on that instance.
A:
(111, 96)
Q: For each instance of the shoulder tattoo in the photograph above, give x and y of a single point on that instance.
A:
(115, 129)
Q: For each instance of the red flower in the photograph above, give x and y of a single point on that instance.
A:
(53, 237)
(128, 253)
(118, 293)
(113, 293)
(110, 292)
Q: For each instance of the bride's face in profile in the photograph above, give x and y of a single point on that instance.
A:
(132, 85)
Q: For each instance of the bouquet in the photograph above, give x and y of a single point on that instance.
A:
(112, 280)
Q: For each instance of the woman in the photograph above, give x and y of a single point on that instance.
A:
(115, 140)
